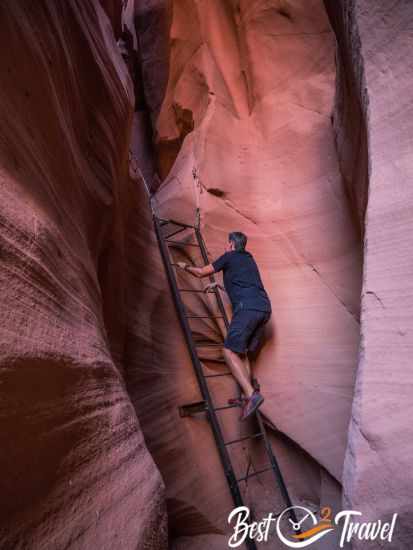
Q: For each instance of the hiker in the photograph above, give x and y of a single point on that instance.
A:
(251, 310)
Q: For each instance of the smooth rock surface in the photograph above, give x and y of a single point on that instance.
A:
(75, 470)
(245, 134)
(262, 159)
(234, 104)
(377, 478)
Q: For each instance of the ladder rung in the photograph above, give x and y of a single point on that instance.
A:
(174, 222)
(206, 345)
(253, 436)
(254, 474)
(204, 316)
(173, 264)
(181, 244)
(190, 290)
(225, 407)
(215, 375)
(174, 233)
(192, 408)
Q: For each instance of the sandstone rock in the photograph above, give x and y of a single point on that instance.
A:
(237, 98)
(265, 162)
(75, 471)
(245, 134)
(375, 38)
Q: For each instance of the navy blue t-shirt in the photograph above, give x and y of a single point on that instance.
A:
(242, 281)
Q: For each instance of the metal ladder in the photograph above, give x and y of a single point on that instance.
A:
(165, 241)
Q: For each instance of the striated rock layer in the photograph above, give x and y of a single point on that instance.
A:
(75, 471)
(375, 38)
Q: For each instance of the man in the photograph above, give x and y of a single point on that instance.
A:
(251, 309)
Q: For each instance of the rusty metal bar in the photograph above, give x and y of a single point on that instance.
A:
(253, 436)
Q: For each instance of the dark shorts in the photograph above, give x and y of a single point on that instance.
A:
(246, 331)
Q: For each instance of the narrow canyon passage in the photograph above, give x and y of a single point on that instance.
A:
(261, 116)
(244, 134)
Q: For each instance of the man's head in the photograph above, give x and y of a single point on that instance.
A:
(237, 241)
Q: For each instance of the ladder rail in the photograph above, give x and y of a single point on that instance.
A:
(216, 429)
(211, 411)
(276, 468)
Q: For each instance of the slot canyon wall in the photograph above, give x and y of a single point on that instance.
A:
(374, 115)
(75, 471)
(234, 110)
(245, 135)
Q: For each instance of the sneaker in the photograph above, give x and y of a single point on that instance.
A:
(255, 401)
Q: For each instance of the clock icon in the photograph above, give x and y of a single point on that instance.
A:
(298, 527)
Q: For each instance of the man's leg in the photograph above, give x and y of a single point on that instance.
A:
(247, 365)
(254, 345)
(239, 371)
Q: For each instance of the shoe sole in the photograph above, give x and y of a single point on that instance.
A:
(252, 411)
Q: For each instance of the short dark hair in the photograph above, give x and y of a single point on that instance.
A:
(239, 240)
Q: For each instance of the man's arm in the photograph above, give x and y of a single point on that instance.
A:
(197, 271)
